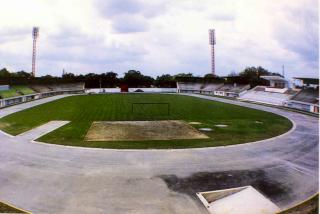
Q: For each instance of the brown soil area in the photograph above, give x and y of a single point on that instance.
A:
(142, 130)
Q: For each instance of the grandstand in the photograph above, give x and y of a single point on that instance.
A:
(66, 87)
(276, 93)
(231, 90)
(40, 88)
(218, 89)
(209, 88)
(308, 98)
(57, 87)
(276, 81)
(19, 94)
(263, 94)
(188, 87)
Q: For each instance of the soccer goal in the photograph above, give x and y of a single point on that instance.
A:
(151, 108)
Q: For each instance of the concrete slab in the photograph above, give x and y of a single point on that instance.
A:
(35, 133)
(243, 200)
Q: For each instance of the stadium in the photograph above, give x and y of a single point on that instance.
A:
(177, 150)
(164, 141)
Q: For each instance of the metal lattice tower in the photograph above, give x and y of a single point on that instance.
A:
(35, 35)
(212, 42)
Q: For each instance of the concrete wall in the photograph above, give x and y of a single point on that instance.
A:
(277, 90)
(303, 106)
(220, 93)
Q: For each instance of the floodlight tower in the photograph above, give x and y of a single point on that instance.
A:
(35, 35)
(212, 42)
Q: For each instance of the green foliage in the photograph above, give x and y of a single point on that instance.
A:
(184, 75)
(83, 110)
(253, 74)
(134, 78)
(165, 81)
(5, 73)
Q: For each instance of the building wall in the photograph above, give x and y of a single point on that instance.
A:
(303, 106)
(219, 93)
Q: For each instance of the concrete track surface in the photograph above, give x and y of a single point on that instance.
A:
(44, 178)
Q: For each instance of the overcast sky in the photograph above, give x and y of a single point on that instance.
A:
(160, 36)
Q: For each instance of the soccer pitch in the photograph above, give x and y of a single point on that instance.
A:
(242, 124)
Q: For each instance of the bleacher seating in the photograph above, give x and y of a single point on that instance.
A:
(218, 89)
(58, 87)
(67, 87)
(20, 94)
(185, 87)
(308, 95)
(209, 88)
(307, 100)
(258, 94)
(40, 88)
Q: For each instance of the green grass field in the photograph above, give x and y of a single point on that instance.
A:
(83, 110)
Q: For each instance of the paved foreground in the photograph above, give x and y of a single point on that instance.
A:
(45, 178)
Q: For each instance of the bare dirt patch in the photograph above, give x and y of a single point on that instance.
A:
(4, 125)
(142, 130)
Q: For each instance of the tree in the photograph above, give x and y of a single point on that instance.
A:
(134, 78)
(183, 75)
(66, 75)
(253, 75)
(109, 79)
(4, 73)
(208, 76)
(23, 74)
(212, 78)
(165, 80)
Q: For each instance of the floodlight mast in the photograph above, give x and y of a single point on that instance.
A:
(35, 35)
(212, 42)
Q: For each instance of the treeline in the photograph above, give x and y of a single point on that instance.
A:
(133, 78)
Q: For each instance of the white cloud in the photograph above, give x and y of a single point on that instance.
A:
(160, 36)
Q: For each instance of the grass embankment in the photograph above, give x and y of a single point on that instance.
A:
(15, 91)
(9, 93)
(23, 90)
(244, 124)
